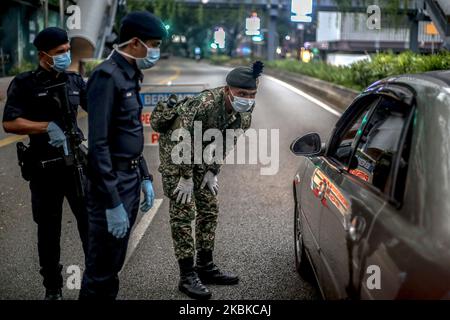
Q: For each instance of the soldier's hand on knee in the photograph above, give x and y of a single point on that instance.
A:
(212, 181)
(184, 189)
(118, 222)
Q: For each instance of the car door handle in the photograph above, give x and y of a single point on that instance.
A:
(356, 228)
(322, 190)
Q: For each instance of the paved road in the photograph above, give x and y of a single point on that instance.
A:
(255, 232)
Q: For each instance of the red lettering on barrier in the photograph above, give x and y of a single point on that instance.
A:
(154, 137)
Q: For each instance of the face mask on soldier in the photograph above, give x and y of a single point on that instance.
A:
(240, 104)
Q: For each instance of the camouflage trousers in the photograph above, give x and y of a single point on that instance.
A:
(203, 209)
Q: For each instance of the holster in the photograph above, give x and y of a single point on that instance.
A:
(26, 161)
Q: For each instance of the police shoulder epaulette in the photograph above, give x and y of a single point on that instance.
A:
(75, 73)
(108, 66)
(24, 75)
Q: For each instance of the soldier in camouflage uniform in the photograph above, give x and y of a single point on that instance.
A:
(222, 108)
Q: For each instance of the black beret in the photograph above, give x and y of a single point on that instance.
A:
(142, 24)
(245, 77)
(50, 38)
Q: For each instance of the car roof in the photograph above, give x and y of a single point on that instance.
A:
(441, 78)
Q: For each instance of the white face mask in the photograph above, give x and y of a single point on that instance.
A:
(240, 104)
(148, 61)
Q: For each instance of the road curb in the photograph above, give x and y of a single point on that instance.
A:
(337, 96)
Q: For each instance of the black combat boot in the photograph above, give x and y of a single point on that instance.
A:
(190, 284)
(209, 273)
(53, 294)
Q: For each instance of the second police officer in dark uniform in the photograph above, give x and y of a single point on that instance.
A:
(117, 169)
(32, 110)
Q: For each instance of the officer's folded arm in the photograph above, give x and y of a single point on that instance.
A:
(23, 126)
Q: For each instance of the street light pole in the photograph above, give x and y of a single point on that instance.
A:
(45, 3)
(272, 28)
(61, 13)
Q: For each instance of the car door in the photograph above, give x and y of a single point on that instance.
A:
(399, 258)
(366, 183)
(311, 208)
(336, 196)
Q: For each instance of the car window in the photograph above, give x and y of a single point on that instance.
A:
(379, 144)
(345, 144)
(404, 152)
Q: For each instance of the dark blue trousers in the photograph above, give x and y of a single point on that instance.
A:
(48, 190)
(106, 254)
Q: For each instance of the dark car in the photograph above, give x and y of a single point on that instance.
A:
(372, 206)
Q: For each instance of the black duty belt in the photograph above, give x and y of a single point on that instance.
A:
(122, 164)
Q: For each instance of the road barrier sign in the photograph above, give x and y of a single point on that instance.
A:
(151, 94)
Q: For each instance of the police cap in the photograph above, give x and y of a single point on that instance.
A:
(143, 25)
(50, 38)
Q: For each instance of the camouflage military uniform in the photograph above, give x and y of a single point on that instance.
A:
(209, 108)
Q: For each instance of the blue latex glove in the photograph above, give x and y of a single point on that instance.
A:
(118, 222)
(149, 195)
(57, 137)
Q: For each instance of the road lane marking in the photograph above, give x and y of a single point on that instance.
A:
(305, 95)
(172, 78)
(12, 139)
(139, 231)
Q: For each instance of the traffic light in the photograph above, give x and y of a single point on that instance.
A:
(258, 38)
(301, 10)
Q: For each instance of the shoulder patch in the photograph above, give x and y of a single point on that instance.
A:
(205, 96)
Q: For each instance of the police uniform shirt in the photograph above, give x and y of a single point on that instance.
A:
(28, 98)
(115, 126)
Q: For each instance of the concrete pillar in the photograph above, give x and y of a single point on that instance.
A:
(414, 35)
(272, 36)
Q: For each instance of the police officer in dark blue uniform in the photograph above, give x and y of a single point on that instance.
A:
(117, 170)
(31, 110)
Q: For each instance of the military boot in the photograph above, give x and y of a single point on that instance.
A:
(209, 273)
(190, 283)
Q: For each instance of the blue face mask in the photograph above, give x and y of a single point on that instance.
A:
(150, 60)
(61, 62)
(153, 55)
(240, 104)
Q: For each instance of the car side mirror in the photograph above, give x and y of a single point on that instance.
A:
(309, 145)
